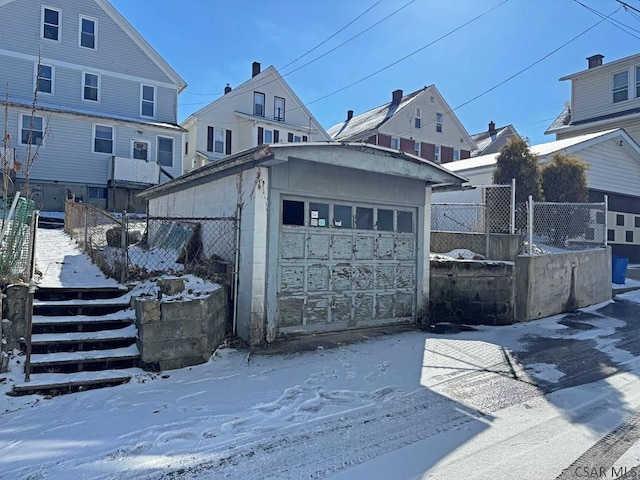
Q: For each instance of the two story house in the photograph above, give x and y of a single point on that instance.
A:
(262, 110)
(606, 96)
(420, 123)
(89, 101)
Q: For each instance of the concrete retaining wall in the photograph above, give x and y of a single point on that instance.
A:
(176, 334)
(472, 292)
(501, 246)
(561, 282)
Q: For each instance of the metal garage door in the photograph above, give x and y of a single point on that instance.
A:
(344, 265)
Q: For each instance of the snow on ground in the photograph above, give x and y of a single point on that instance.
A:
(377, 409)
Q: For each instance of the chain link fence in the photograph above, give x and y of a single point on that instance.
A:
(128, 247)
(481, 210)
(553, 227)
(19, 218)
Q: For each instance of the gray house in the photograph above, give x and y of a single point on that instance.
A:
(105, 121)
(333, 236)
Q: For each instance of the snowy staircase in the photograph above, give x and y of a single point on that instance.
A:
(82, 338)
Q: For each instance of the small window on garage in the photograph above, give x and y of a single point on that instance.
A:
(620, 220)
(364, 218)
(385, 220)
(318, 214)
(611, 235)
(342, 216)
(405, 222)
(629, 236)
(292, 212)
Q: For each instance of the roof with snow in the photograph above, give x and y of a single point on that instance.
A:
(371, 119)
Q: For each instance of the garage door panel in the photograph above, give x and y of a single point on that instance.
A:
(363, 277)
(341, 309)
(318, 278)
(290, 311)
(364, 247)
(385, 276)
(317, 310)
(341, 277)
(405, 277)
(292, 245)
(362, 307)
(291, 279)
(403, 304)
(405, 248)
(342, 247)
(319, 246)
(385, 247)
(384, 306)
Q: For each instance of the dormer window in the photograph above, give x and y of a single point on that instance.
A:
(620, 86)
(258, 104)
(51, 23)
(278, 109)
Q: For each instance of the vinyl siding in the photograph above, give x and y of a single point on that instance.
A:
(632, 127)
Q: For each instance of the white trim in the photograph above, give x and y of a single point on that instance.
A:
(36, 76)
(173, 150)
(139, 140)
(75, 66)
(44, 128)
(155, 99)
(43, 8)
(95, 32)
(93, 138)
(86, 72)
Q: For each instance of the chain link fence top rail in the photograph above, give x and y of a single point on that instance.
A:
(16, 241)
(560, 227)
(480, 210)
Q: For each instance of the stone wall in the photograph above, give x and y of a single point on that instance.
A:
(472, 292)
(175, 334)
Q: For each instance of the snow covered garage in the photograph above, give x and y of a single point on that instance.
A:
(332, 235)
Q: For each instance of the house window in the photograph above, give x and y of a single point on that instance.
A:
(165, 151)
(620, 220)
(87, 33)
(268, 136)
(436, 156)
(32, 130)
(297, 138)
(395, 143)
(620, 86)
(456, 154)
(140, 150)
(600, 218)
(292, 212)
(97, 193)
(44, 80)
(51, 23)
(416, 148)
(629, 236)
(91, 87)
(147, 101)
(637, 81)
(102, 139)
(439, 122)
(186, 143)
(611, 235)
(278, 109)
(218, 141)
(418, 118)
(637, 222)
(258, 104)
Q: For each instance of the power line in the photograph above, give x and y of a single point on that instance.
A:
(615, 23)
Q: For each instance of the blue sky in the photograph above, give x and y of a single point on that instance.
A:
(213, 42)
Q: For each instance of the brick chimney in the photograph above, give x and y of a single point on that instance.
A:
(595, 60)
(492, 127)
(396, 96)
(227, 89)
(255, 69)
(349, 114)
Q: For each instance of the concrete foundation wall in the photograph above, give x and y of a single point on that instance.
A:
(471, 292)
(551, 284)
(178, 334)
(501, 246)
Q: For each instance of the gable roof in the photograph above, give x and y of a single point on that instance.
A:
(567, 145)
(256, 82)
(370, 121)
(380, 159)
(485, 139)
(605, 66)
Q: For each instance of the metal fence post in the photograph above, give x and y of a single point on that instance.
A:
(123, 246)
(86, 225)
(513, 206)
(530, 224)
(487, 222)
(606, 220)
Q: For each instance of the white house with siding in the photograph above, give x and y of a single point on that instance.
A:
(333, 236)
(264, 109)
(613, 158)
(105, 124)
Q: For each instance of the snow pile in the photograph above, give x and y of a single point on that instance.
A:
(457, 254)
(193, 287)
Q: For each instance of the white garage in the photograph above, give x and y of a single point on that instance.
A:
(332, 236)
